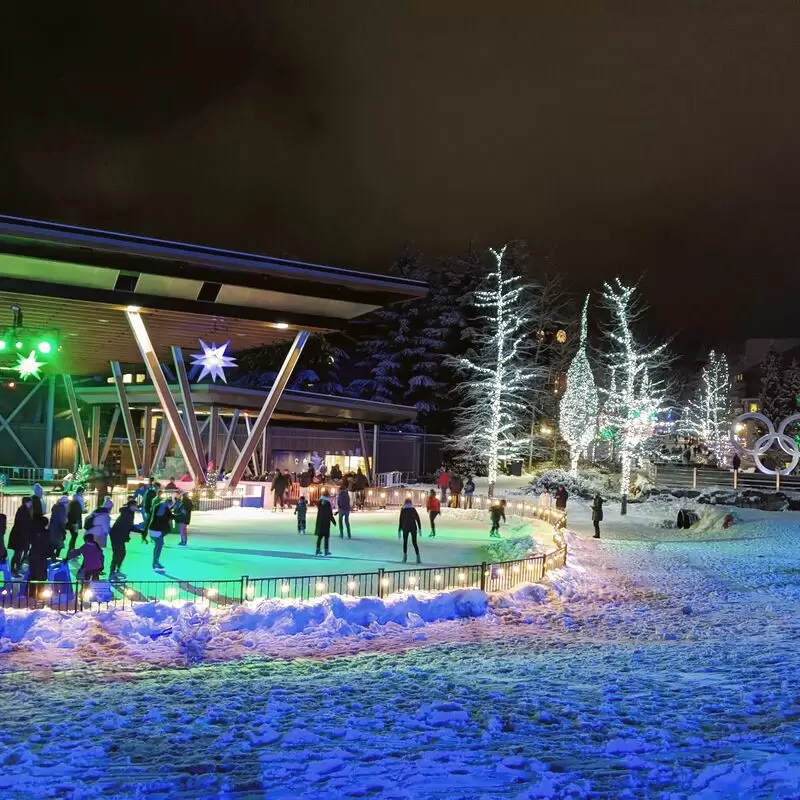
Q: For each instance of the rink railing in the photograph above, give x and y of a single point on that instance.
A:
(487, 576)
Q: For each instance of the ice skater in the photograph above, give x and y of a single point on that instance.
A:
(57, 527)
(300, 511)
(323, 524)
(93, 559)
(434, 508)
(409, 525)
(496, 513)
(75, 511)
(19, 539)
(120, 535)
(343, 511)
(158, 528)
(182, 514)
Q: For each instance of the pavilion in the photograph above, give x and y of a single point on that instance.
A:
(87, 302)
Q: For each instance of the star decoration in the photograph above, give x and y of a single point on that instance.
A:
(28, 366)
(213, 361)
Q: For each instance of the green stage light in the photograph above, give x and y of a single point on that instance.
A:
(45, 347)
(2, 344)
(18, 345)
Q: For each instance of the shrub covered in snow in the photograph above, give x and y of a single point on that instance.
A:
(586, 484)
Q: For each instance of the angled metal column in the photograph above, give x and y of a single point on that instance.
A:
(365, 452)
(253, 459)
(165, 397)
(270, 403)
(80, 435)
(48, 434)
(213, 432)
(94, 436)
(110, 435)
(375, 453)
(147, 440)
(189, 416)
(127, 418)
(5, 423)
(163, 444)
(230, 432)
(264, 449)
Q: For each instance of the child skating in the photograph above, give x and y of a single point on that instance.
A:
(496, 513)
(300, 511)
(434, 507)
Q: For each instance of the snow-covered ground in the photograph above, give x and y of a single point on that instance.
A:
(251, 541)
(658, 664)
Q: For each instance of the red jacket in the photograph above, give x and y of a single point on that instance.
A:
(444, 479)
(433, 504)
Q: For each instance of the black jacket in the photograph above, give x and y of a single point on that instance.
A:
(58, 525)
(561, 498)
(74, 515)
(324, 518)
(496, 513)
(121, 529)
(279, 483)
(597, 509)
(150, 495)
(182, 510)
(20, 538)
(409, 520)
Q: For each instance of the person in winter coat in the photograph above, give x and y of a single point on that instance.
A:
(38, 500)
(93, 559)
(737, 462)
(343, 512)
(98, 523)
(160, 523)
(300, 510)
(323, 525)
(3, 551)
(38, 555)
(561, 498)
(120, 535)
(74, 518)
(597, 514)
(149, 500)
(182, 514)
(336, 473)
(469, 491)
(434, 508)
(361, 484)
(409, 525)
(455, 485)
(20, 539)
(278, 487)
(496, 513)
(58, 526)
(443, 482)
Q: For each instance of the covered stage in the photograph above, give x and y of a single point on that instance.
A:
(114, 304)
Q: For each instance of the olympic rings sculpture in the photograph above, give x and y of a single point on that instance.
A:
(765, 442)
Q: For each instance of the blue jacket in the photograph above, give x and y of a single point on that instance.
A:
(343, 501)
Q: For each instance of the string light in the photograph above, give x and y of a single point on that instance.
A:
(708, 414)
(171, 592)
(211, 591)
(577, 420)
(285, 588)
(320, 587)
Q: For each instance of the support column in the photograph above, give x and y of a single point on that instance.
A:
(127, 418)
(48, 434)
(230, 433)
(147, 440)
(95, 436)
(189, 416)
(163, 444)
(110, 435)
(270, 403)
(367, 460)
(264, 450)
(253, 459)
(165, 397)
(375, 438)
(5, 424)
(213, 432)
(80, 435)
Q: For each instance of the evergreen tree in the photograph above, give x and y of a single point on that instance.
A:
(771, 398)
(790, 390)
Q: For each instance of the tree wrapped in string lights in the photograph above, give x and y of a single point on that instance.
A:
(708, 414)
(636, 395)
(577, 419)
(490, 420)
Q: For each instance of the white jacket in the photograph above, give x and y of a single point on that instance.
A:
(99, 524)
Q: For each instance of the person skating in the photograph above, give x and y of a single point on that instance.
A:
(159, 527)
(120, 535)
(98, 523)
(469, 491)
(74, 518)
(20, 538)
(38, 507)
(343, 512)
(361, 484)
(278, 487)
(443, 481)
(301, 509)
(93, 559)
(40, 551)
(597, 515)
(322, 527)
(496, 513)
(182, 514)
(149, 500)
(434, 508)
(409, 525)
(57, 527)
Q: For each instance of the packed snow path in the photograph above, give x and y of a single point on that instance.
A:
(660, 665)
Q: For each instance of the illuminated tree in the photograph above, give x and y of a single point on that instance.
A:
(635, 396)
(578, 410)
(491, 418)
(708, 415)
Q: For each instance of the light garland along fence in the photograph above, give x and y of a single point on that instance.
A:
(490, 577)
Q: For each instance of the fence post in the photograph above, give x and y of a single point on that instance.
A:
(694, 477)
(484, 568)
(736, 479)
(777, 481)
(245, 579)
(380, 582)
(77, 591)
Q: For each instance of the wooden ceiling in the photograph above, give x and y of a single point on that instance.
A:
(91, 334)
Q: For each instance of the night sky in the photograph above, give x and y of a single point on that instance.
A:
(643, 137)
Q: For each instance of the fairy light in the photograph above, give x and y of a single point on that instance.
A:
(171, 592)
(250, 591)
(129, 592)
(385, 582)
(320, 586)
(285, 588)
(47, 593)
(437, 578)
(211, 591)
(461, 576)
(88, 594)
(351, 585)
(708, 413)
(412, 581)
